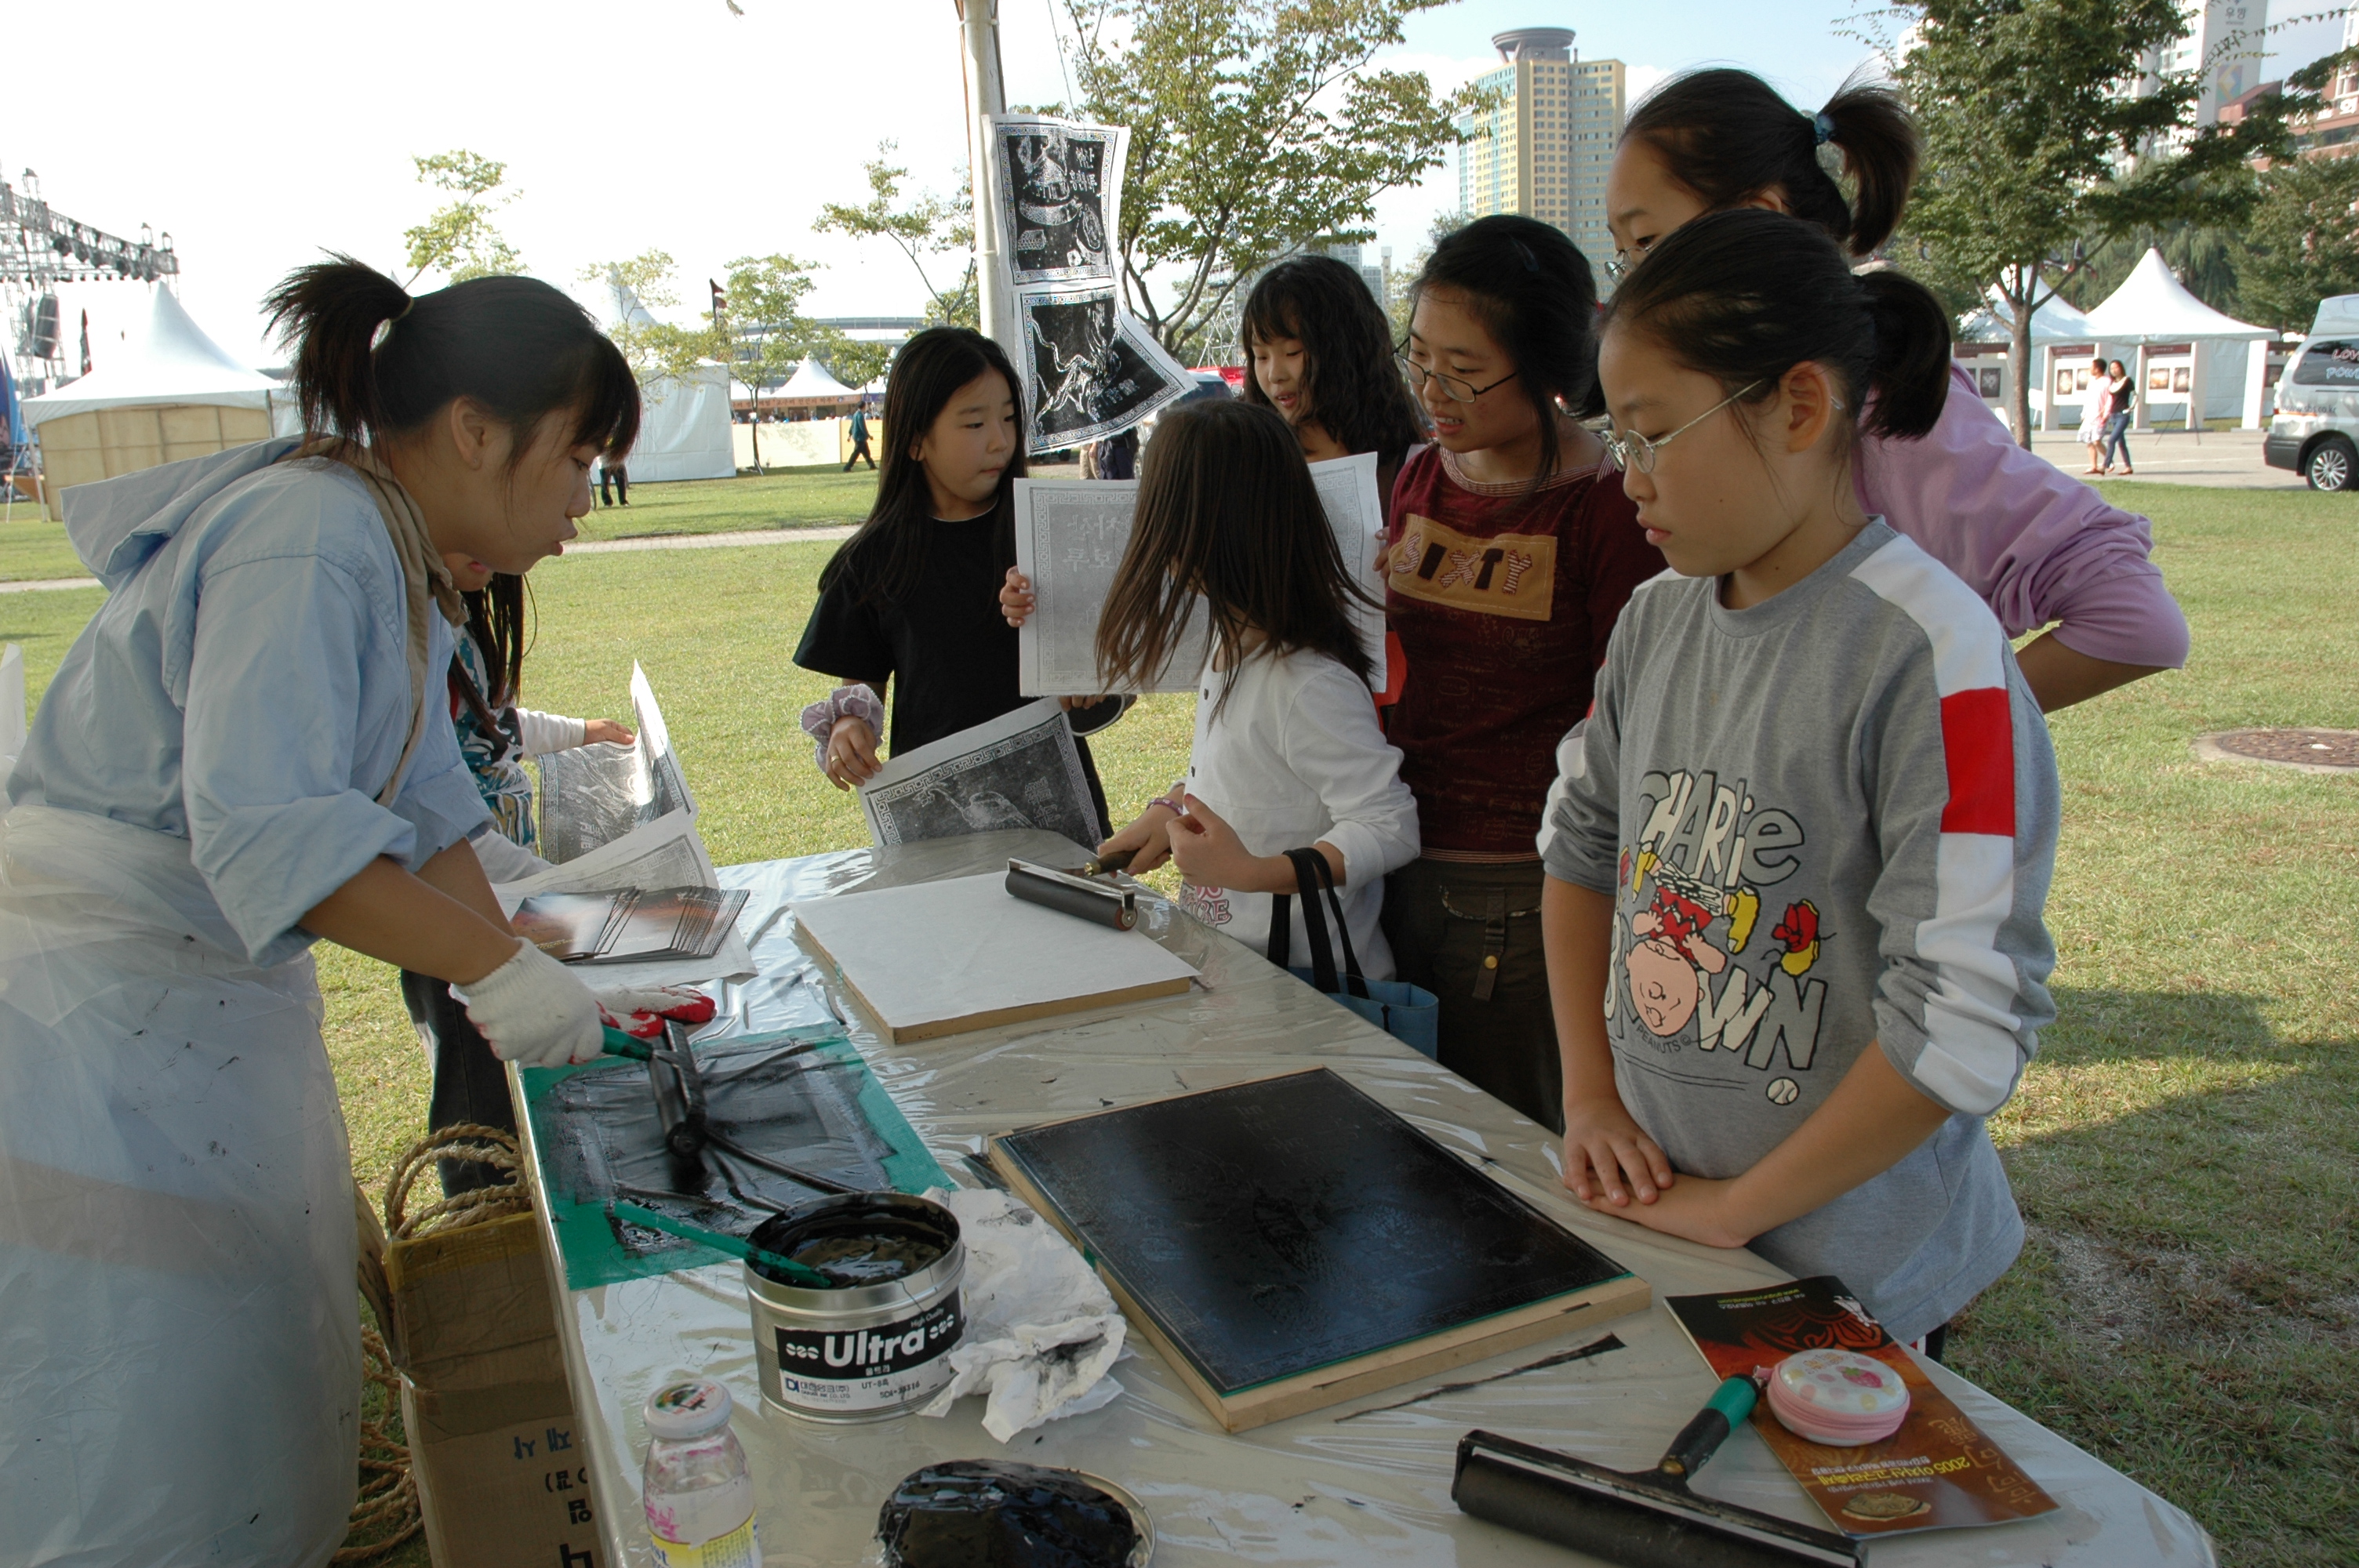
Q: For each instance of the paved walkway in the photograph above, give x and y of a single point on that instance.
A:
(586, 547)
(2218, 460)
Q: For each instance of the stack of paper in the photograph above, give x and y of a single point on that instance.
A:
(628, 925)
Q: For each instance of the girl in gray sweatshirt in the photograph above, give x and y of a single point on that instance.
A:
(1798, 850)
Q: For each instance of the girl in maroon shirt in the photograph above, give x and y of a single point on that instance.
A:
(1512, 550)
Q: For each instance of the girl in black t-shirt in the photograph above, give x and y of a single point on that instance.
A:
(911, 599)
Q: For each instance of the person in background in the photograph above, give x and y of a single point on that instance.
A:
(1288, 753)
(859, 437)
(244, 752)
(469, 1087)
(1118, 455)
(1319, 352)
(1798, 853)
(2117, 421)
(2098, 407)
(2040, 550)
(909, 600)
(613, 473)
(1510, 552)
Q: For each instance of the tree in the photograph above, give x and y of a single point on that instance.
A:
(930, 226)
(459, 239)
(1256, 127)
(2031, 146)
(2301, 244)
(767, 334)
(655, 350)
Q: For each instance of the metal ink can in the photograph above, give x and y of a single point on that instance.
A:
(876, 1343)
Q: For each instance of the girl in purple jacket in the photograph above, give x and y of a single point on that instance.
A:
(2040, 548)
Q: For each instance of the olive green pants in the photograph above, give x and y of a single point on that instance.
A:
(1470, 935)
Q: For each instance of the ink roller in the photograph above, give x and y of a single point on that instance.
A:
(1640, 1519)
(1076, 893)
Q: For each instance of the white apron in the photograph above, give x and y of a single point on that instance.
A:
(179, 1342)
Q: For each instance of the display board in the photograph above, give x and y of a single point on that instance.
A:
(1288, 1243)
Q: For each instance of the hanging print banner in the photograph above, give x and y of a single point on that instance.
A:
(1090, 368)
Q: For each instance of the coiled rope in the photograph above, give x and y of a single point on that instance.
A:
(387, 1513)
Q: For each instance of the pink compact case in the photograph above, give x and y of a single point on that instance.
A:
(1838, 1398)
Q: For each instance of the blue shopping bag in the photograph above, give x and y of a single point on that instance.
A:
(1410, 1014)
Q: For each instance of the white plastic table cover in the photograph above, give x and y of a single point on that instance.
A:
(1310, 1490)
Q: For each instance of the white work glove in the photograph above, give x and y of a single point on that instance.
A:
(535, 1011)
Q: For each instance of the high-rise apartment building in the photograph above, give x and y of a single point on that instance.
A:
(2225, 41)
(1545, 149)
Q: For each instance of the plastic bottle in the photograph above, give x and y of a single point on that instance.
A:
(699, 1495)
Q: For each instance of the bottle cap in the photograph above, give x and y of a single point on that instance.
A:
(687, 1409)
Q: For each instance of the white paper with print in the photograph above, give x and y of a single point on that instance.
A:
(1069, 537)
(665, 853)
(1019, 770)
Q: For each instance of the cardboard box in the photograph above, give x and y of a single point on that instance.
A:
(512, 1497)
(503, 1474)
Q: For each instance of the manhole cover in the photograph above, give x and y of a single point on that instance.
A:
(2316, 751)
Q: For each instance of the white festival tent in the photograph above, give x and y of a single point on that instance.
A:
(2175, 332)
(683, 428)
(683, 419)
(172, 363)
(809, 383)
(2056, 321)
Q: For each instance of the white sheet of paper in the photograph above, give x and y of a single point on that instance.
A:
(1019, 770)
(937, 954)
(1069, 537)
(667, 785)
(666, 853)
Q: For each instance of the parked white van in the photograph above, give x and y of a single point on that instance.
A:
(2315, 430)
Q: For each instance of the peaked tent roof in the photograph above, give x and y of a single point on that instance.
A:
(2058, 321)
(172, 361)
(2152, 305)
(812, 380)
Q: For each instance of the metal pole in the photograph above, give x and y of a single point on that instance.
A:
(986, 94)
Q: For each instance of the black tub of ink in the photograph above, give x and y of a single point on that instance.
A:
(876, 1342)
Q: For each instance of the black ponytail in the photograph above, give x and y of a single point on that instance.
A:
(1910, 372)
(1729, 137)
(1532, 289)
(1745, 295)
(372, 361)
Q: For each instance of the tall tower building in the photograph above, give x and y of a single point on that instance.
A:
(1545, 149)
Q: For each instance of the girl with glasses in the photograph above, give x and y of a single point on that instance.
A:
(1511, 550)
(1798, 853)
(2041, 548)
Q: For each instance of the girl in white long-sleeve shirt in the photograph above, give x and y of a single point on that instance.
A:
(1288, 751)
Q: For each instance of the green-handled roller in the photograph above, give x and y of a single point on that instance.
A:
(1642, 1518)
(621, 1045)
(721, 1241)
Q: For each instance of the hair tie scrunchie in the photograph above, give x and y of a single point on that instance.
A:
(1823, 126)
(849, 701)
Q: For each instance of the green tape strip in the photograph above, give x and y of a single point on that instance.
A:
(585, 1240)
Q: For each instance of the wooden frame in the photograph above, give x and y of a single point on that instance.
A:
(1333, 1384)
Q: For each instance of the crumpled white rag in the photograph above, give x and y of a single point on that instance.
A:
(1041, 1331)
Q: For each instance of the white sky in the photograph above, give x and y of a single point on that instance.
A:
(260, 133)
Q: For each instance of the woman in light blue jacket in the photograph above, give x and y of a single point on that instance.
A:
(247, 751)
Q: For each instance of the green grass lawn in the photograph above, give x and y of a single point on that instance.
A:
(32, 549)
(2186, 1149)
